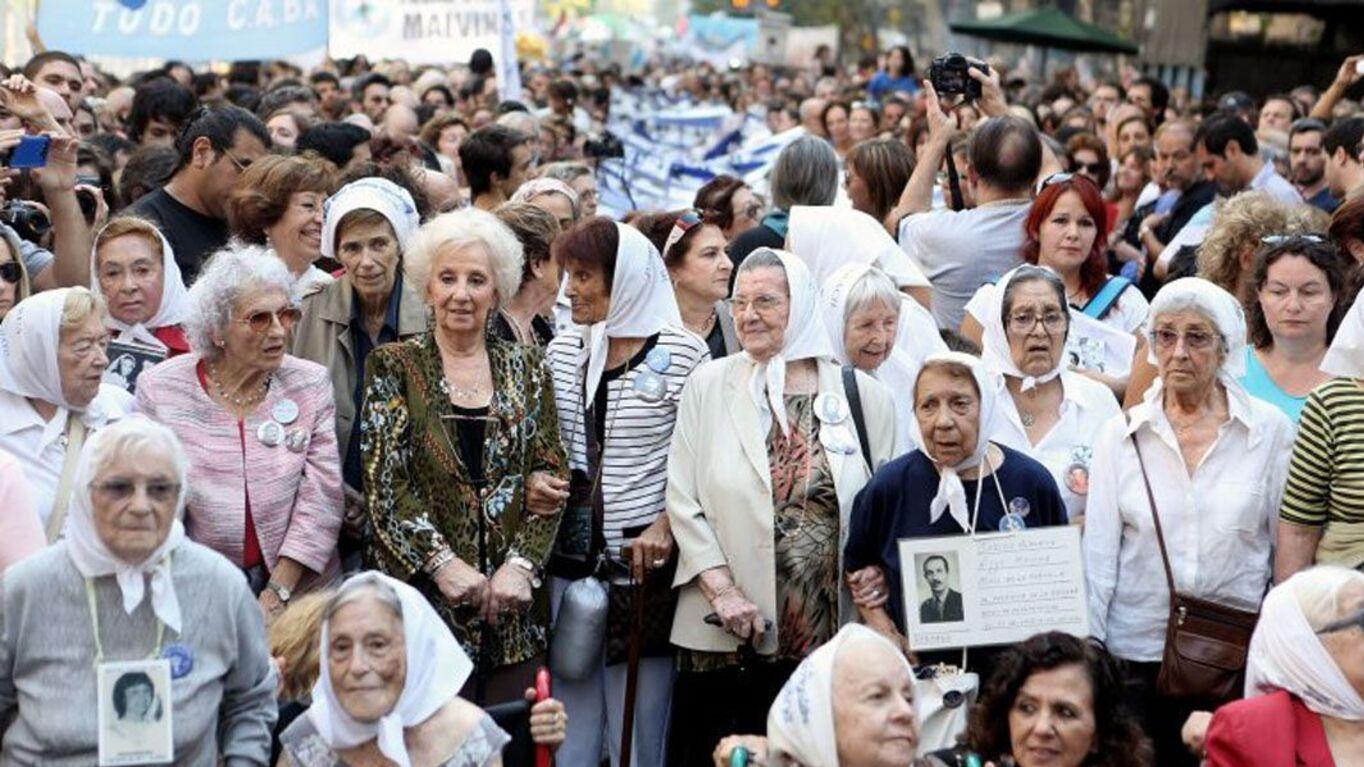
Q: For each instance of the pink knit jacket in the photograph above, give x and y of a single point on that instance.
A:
(296, 499)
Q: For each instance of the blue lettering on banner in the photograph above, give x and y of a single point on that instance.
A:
(194, 30)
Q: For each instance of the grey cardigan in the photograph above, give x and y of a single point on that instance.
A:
(225, 707)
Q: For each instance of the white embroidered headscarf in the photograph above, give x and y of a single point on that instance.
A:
(173, 308)
(805, 338)
(1286, 654)
(800, 724)
(377, 194)
(1345, 358)
(916, 337)
(109, 448)
(1219, 305)
(642, 302)
(437, 667)
(827, 238)
(29, 337)
(995, 351)
(951, 494)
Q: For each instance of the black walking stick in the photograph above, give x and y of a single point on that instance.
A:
(627, 730)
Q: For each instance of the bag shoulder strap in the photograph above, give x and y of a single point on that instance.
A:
(1103, 301)
(75, 439)
(854, 396)
(1155, 515)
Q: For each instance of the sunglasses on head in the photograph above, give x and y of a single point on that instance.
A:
(260, 322)
(10, 272)
(1279, 239)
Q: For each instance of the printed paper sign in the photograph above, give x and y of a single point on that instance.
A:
(423, 31)
(992, 589)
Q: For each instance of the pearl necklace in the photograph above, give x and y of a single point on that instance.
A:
(245, 402)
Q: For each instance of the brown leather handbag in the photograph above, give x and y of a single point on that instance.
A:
(1205, 643)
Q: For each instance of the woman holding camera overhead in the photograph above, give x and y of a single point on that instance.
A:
(618, 377)
(766, 458)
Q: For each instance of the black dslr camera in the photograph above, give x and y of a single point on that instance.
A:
(948, 73)
(606, 146)
(27, 220)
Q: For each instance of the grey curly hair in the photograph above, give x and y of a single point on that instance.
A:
(230, 274)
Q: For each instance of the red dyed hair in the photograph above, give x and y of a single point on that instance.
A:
(1094, 271)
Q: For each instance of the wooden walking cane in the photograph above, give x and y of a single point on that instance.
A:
(627, 729)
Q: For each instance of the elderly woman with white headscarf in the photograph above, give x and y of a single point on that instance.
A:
(849, 704)
(881, 332)
(1215, 459)
(618, 377)
(53, 353)
(129, 593)
(1305, 678)
(1046, 410)
(828, 238)
(766, 459)
(133, 267)
(366, 226)
(388, 691)
(958, 482)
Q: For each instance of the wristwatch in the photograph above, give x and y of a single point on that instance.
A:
(282, 592)
(520, 562)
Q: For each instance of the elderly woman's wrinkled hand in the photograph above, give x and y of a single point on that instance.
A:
(545, 493)
(756, 745)
(548, 721)
(738, 616)
(652, 549)
(462, 585)
(868, 587)
(510, 589)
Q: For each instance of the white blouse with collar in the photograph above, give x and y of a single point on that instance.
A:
(1219, 523)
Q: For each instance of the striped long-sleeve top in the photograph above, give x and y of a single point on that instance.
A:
(637, 431)
(1326, 475)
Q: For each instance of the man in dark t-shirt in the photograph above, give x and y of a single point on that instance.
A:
(218, 145)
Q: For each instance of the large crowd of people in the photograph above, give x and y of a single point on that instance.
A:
(338, 426)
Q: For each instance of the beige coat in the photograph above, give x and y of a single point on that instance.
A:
(323, 336)
(720, 489)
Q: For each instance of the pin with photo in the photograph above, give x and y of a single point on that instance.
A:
(831, 408)
(650, 386)
(297, 440)
(270, 434)
(1012, 521)
(285, 412)
(659, 359)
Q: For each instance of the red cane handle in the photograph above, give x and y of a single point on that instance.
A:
(542, 754)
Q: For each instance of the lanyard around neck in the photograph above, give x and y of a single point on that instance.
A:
(93, 603)
(975, 511)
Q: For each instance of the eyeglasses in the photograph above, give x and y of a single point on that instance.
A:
(10, 272)
(120, 489)
(1279, 239)
(1092, 168)
(1196, 340)
(260, 322)
(1024, 322)
(761, 304)
(240, 165)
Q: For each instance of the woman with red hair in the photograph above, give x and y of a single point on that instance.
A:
(1067, 230)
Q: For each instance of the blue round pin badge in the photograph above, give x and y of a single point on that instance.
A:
(181, 660)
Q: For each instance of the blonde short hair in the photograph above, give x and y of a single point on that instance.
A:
(295, 637)
(1237, 226)
(124, 226)
(459, 229)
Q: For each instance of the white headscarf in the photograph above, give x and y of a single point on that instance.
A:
(805, 338)
(1218, 304)
(642, 302)
(379, 195)
(800, 724)
(995, 342)
(827, 238)
(87, 550)
(172, 310)
(1346, 356)
(1286, 654)
(29, 337)
(951, 495)
(916, 336)
(437, 668)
